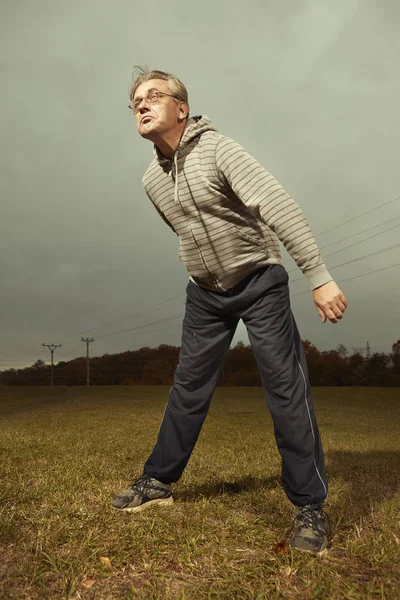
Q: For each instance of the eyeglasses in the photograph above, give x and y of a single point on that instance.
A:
(152, 97)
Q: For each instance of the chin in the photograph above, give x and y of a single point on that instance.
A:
(146, 133)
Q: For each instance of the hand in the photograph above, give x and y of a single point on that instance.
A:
(330, 302)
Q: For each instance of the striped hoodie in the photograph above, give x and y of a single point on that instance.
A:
(227, 210)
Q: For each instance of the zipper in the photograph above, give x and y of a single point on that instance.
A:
(191, 230)
(202, 256)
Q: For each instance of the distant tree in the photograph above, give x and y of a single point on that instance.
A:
(160, 369)
(335, 369)
(10, 377)
(395, 357)
(376, 369)
(39, 364)
(157, 366)
(240, 357)
(358, 350)
(245, 377)
(342, 351)
(356, 366)
(314, 362)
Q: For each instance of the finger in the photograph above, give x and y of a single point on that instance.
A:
(337, 312)
(321, 314)
(331, 315)
(343, 300)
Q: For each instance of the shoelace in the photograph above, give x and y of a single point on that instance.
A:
(142, 486)
(313, 516)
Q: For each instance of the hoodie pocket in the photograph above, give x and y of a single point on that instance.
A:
(248, 236)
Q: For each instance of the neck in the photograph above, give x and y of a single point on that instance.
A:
(168, 142)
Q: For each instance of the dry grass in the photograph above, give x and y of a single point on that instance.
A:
(65, 451)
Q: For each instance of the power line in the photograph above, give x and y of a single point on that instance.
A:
(163, 320)
(355, 244)
(359, 232)
(355, 234)
(353, 260)
(24, 348)
(140, 333)
(355, 277)
(19, 360)
(357, 259)
(358, 216)
(153, 330)
(336, 266)
(169, 301)
(140, 326)
(179, 315)
(369, 273)
(162, 304)
(292, 295)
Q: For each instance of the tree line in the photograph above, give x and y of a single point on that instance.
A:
(156, 366)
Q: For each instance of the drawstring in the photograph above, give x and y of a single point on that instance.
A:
(176, 178)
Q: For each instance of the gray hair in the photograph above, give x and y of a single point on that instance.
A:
(144, 74)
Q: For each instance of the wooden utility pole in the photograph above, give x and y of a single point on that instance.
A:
(88, 341)
(52, 347)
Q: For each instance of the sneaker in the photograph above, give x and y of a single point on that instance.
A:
(144, 492)
(311, 529)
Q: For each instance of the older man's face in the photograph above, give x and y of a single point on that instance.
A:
(155, 119)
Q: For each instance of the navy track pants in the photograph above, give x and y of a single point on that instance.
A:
(262, 301)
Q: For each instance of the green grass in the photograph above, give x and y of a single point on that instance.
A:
(66, 451)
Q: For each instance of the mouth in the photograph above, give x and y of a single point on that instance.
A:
(145, 120)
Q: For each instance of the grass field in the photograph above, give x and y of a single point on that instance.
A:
(66, 451)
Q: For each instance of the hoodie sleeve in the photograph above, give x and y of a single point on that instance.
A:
(269, 202)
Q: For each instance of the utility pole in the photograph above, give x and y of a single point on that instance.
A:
(368, 350)
(52, 347)
(88, 341)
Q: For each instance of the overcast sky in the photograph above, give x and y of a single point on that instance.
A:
(311, 89)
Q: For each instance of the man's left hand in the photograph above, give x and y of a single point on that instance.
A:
(330, 302)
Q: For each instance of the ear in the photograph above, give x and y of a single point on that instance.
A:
(183, 110)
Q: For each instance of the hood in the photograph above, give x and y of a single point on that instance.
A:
(195, 126)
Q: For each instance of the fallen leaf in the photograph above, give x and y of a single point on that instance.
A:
(281, 548)
(88, 583)
(288, 571)
(106, 562)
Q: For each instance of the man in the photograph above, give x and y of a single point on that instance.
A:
(229, 214)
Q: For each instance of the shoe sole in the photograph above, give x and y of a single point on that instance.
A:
(322, 552)
(141, 507)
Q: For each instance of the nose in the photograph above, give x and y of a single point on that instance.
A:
(143, 107)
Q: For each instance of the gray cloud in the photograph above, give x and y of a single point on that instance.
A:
(311, 90)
